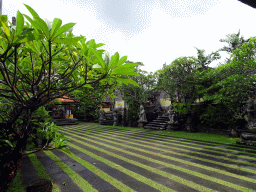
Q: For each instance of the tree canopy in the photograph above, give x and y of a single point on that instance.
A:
(41, 61)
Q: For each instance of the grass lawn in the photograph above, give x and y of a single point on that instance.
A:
(201, 136)
(223, 139)
(16, 185)
(210, 137)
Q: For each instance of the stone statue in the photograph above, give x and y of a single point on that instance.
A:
(101, 116)
(159, 110)
(142, 114)
(115, 117)
(173, 123)
(171, 113)
(249, 117)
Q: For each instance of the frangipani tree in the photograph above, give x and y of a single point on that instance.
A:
(92, 99)
(234, 82)
(41, 61)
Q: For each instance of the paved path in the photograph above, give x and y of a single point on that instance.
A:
(110, 159)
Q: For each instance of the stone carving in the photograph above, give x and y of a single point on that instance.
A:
(101, 116)
(248, 137)
(159, 110)
(115, 117)
(172, 115)
(173, 123)
(142, 114)
(250, 115)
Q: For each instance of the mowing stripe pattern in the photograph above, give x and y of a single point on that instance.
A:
(106, 158)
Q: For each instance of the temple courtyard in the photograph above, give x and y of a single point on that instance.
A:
(106, 158)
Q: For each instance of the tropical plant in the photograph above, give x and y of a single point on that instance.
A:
(136, 96)
(183, 80)
(49, 132)
(41, 61)
(234, 82)
(90, 100)
(234, 41)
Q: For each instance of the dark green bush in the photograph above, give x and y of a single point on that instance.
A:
(216, 116)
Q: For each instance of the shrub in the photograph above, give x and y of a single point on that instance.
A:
(216, 116)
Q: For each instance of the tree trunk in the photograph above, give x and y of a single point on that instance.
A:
(11, 164)
(12, 161)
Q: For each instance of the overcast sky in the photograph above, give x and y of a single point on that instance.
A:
(149, 31)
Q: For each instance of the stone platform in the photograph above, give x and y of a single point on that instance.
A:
(247, 138)
(68, 121)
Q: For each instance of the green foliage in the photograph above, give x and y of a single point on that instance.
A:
(183, 78)
(40, 113)
(42, 61)
(5, 108)
(216, 116)
(234, 41)
(135, 96)
(233, 83)
(91, 99)
(181, 108)
(46, 61)
(46, 130)
(49, 131)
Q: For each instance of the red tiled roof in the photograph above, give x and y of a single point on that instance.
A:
(66, 99)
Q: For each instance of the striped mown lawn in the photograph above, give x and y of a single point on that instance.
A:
(105, 158)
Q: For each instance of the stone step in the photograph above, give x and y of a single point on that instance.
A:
(163, 119)
(157, 123)
(107, 122)
(71, 121)
(160, 122)
(157, 120)
(164, 116)
(156, 128)
(109, 118)
(160, 126)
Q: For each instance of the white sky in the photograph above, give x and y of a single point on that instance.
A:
(148, 31)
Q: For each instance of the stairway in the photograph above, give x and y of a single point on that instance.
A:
(108, 118)
(158, 124)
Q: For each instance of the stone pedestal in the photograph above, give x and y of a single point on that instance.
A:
(142, 124)
(248, 139)
(172, 126)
